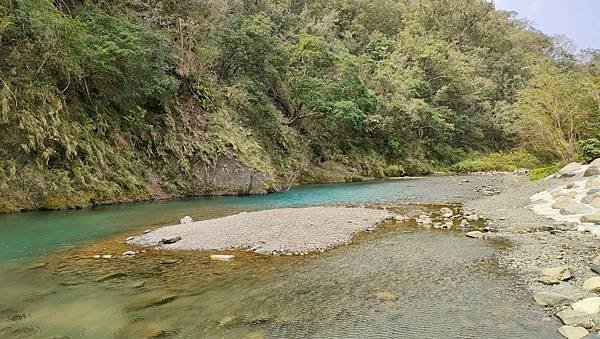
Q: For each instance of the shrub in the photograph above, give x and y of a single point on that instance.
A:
(499, 161)
(590, 149)
(543, 172)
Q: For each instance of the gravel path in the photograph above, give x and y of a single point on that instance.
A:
(286, 230)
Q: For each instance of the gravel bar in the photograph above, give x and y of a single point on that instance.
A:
(286, 230)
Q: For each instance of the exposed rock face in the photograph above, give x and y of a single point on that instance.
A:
(555, 275)
(552, 299)
(227, 176)
(572, 332)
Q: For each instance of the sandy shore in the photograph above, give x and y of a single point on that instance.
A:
(287, 230)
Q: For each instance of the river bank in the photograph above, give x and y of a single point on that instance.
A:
(552, 258)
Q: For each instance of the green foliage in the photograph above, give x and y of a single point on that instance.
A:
(543, 172)
(108, 100)
(500, 161)
(590, 149)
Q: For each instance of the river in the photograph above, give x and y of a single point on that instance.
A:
(400, 281)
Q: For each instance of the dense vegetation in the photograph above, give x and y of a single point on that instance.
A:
(106, 100)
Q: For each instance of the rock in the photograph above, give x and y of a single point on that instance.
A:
(521, 171)
(147, 231)
(446, 212)
(475, 234)
(107, 256)
(592, 284)
(561, 202)
(591, 171)
(221, 257)
(591, 218)
(573, 207)
(386, 296)
(226, 321)
(171, 240)
(169, 261)
(111, 276)
(552, 299)
(472, 217)
(587, 305)
(97, 256)
(128, 253)
(570, 193)
(464, 224)
(570, 170)
(596, 163)
(571, 317)
(589, 197)
(424, 220)
(150, 299)
(571, 332)
(186, 220)
(555, 275)
(595, 266)
(138, 284)
(129, 238)
(593, 183)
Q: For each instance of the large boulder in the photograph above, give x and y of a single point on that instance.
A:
(552, 299)
(575, 318)
(573, 332)
(591, 171)
(566, 192)
(571, 170)
(593, 183)
(592, 199)
(587, 305)
(555, 275)
(592, 284)
(591, 219)
(561, 202)
(595, 266)
(574, 207)
(595, 163)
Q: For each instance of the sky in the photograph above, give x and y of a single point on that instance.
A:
(577, 19)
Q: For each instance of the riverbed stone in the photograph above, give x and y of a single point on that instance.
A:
(446, 212)
(596, 162)
(593, 183)
(186, 220)
(171, 240)
(570, 193)
(573, 207)
(587, 305)
(591, 171)
(552, 299)
(475, 234)
(571, 317)
(591, 218)
(570, 170)
(151, 299)
(555, 275)
(386, 296)
(590, 196)
(222, 257)
(561, 202)
(37, 266)
(573, 332)
(595, 266)
(592, 284)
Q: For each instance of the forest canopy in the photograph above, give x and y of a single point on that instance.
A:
(101, 98)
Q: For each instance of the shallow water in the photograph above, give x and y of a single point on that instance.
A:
(439, 284)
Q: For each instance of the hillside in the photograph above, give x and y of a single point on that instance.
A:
(119, 100)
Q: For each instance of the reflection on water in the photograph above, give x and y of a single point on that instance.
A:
(399, 281)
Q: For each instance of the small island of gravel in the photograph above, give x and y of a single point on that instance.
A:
(286, 230)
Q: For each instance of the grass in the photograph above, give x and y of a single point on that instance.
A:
(498, 161)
